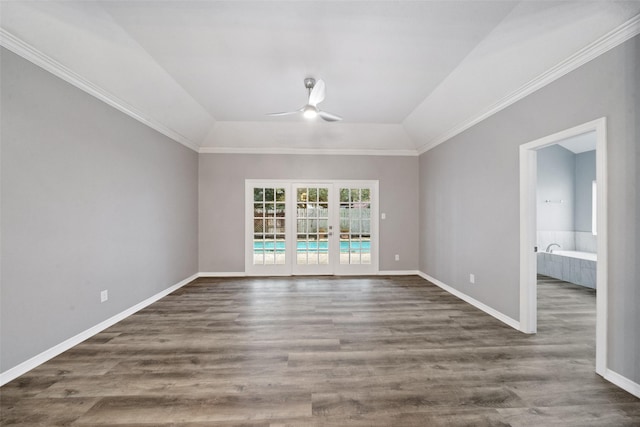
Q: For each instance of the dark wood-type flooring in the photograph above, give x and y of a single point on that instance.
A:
(327, 351)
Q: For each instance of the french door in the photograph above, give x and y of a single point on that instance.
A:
(319, 227)
(314, 248)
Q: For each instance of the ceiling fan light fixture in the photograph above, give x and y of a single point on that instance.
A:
(310, 112)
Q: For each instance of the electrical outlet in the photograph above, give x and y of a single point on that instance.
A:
(383, 215)
(472, 278)
(397, 257)
(104, 295)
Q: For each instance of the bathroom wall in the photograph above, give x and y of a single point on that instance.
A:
(585, 175)
(556, 197)
(586, 241)
(565, 198)
(556, 188)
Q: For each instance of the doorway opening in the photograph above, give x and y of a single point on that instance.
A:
(529, 236)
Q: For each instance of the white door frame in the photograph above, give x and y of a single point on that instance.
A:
(528, 262)
(287, 269)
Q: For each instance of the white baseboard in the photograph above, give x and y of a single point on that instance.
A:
(243, 274)
(54, 351)
(474, 302)
(398, 273)
(222, 274)
(623, 382)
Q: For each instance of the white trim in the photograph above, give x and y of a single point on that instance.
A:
(243, 274)
(474, 302)
(398, 273)
(528, 266)
(313, 151)
(614, 38)
(594, 208)
(30, 53)
(57, 349)
(222, 274)
(270, 274)
(528, 291)
(602, 272)
(623, 382)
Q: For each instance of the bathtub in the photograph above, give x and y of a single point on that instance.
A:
(571, 266)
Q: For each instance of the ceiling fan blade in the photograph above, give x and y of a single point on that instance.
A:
(329, 117)
(317, 93)
(286, 113)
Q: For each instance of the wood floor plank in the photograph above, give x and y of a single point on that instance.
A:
(618, 415)
(156, 410)
(327, 351)
(43, 412)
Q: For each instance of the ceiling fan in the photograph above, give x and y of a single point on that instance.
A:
(316, 96)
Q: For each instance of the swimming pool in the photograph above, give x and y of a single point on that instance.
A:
(345, 246)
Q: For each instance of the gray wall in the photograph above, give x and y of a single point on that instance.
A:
(585, 175)
(469, 195)
(91, 200)
(222, 179)
(556, 181)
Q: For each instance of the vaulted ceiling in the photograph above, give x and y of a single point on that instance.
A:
(404, 75)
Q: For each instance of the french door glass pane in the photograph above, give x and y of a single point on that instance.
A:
(312, 215)
(355, 226)
(269, 225)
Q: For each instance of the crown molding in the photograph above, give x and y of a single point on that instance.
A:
(614, 38)
(30, 53)
(312, 151)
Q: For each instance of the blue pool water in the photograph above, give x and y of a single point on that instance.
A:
(313, 246)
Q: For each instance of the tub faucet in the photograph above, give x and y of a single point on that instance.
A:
(549, 250)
